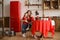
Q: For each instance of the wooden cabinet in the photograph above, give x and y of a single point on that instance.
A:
(51, 4)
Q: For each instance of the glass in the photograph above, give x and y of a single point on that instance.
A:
(47, 4)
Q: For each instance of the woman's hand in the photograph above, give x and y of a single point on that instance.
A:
(26, 21)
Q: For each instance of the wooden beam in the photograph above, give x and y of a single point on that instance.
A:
(0, 2)
(3, 17)
(43, 8)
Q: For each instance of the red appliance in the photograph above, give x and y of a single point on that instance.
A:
(15, 12)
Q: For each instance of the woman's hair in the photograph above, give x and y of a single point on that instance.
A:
(29, 11)
(25, 14)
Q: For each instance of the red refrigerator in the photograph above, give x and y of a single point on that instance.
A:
(15, 12)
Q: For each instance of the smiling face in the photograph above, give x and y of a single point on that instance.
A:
(29, 13)
(26, 14)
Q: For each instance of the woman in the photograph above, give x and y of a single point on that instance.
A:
(30, 18)
(24, 24)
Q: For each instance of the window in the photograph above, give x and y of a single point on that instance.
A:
(55, 4)
(47, 4)
(51, 4)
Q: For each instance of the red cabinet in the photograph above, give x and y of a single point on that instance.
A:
(15, 12)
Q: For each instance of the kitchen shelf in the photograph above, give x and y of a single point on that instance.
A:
(33, 4)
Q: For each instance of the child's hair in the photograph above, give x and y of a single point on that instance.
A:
(36, 13)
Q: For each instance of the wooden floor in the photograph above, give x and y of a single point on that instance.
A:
(29, 37)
